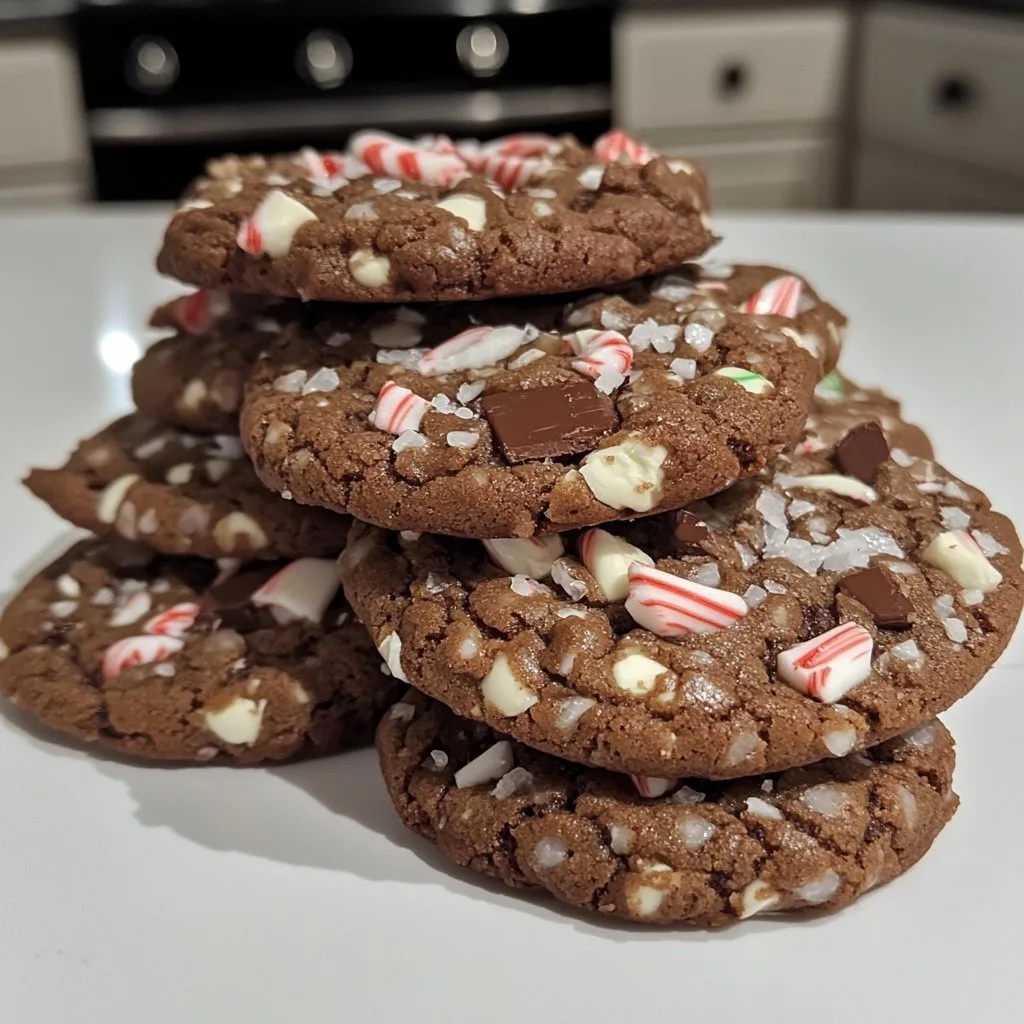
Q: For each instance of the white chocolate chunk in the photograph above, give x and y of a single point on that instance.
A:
(824, 799)
(645, 900)
(820, 889)
(637, 674)
(489, 766)
(109, 501)
(501, 689)
(391, 651)
(68, 586)
(239, 722)
(762, 809)
(193, 395)
(626, 475)
(956, 553)
(368, 268)
(608, 559)
(758, 896)
(236, 526)
(528, 556)
(469, 208)
(301, 590)
(278, 217)
(847, 486)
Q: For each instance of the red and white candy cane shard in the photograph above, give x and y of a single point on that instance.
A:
(437, 144)
(196, 313)
(175, 621)
(301, 590)
(401, 158)
(601, 351)
(512, 172)
(829, 665)
(649, 786)
(324, 169)
(398, 409)
(521, 144)
(779, 297)
(249, 237)
(617, 145)
(671, 606)
(472, 349)
(138, 650)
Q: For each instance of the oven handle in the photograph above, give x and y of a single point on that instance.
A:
(481, 109)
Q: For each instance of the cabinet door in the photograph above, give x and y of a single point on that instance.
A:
(781, 174)
(945, 83)
(887, 179)
(40, 116)
(739, 68)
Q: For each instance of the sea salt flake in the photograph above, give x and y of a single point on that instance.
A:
(672, 288)
(612, 321)
(467, 392)
(684, 369)
(943, 606)
(774, 587)
(519, 780)
(902, 458)
(434, 583)
(408, 439)
(290, 383)
(686, 795)
(909, 652)
(955, 630)
(571, 710)
(971, 597)
(707, 574)
(408, 358)
(436, 760)
(798, 508)
(325, 379)
(463, 413)
(462, 438)
(575, 588)
(524, 586)
(954, 518)
(951, 489)
(608, 381)
(988, 544)
(747, 557)
(754, 595)
(698, 336)
(531, 355)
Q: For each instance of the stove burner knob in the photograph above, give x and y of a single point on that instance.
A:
(152, 65)
(324, 59)
(482, 49)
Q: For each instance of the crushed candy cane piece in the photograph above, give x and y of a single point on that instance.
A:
(616, 145)
(138, 650)
(600, 351)
(779, 297)
(472, 349)
(398, 409)
(828, 666)
(388, 154)
(652, 787)
(301, 590)
(670, 606)
(175, 621)
(747, 379)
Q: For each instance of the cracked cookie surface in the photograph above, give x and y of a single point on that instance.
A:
(502, 420)
(181, 494)
(830, 623)
(812, 838)
(145, 655)
(328, 226)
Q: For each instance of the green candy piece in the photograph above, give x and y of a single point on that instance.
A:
(830, 388)
(747, 379)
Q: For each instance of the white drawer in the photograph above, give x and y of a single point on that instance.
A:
(780, 174)
(889, 180)
(742, 67)
(945, 82)
(40, 119)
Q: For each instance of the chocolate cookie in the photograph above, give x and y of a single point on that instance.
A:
(812, 838)
(171, 658)
(397, 220)
(532, 417)
(842, 597)
(181, 494)
(193, 379)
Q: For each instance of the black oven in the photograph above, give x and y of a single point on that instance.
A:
(168, 83)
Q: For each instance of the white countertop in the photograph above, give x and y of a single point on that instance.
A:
(210, 895)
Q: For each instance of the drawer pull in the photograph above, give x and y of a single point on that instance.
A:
(955, 93)
(732, 80)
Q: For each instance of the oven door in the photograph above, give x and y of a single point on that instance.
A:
(167, 89)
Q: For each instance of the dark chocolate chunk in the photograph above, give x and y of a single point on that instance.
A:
(862, 451)
(542, 423)
(877, 591)
(689, 532)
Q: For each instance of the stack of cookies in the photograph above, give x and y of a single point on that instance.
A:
(678, 603)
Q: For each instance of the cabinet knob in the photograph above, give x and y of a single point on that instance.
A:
(733, 79)
(955, 93)
(324, 59)
(482, 49)
(152, 65)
